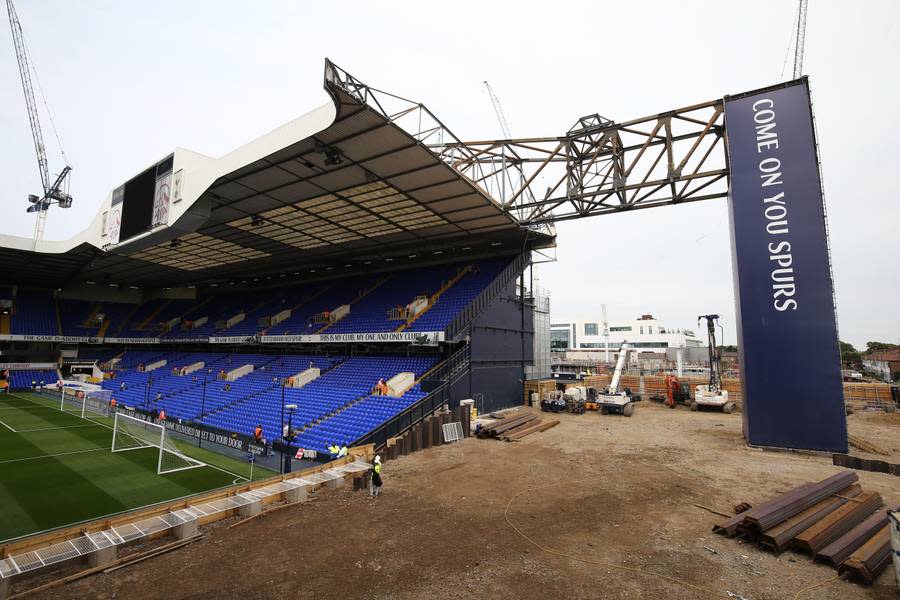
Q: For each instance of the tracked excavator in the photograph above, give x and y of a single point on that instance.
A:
(712, 395)
(612, 399)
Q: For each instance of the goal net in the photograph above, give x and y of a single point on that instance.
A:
(85, 403)
(131, 433)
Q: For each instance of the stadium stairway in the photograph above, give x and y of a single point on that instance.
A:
(95, 309)
(150, 318)
(362, 295)
(461, 304)
(118, 330)
(436, 296)
(103, 328)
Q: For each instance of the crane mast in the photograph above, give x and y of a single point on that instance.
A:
(800, 43)
(498, 110)
(53, 191)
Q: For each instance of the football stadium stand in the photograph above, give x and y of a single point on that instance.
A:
(376, 304)
(338, 405)
(21, 379)
(34, 313)
(300, 269)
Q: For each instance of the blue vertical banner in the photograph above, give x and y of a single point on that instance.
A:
(787, 327)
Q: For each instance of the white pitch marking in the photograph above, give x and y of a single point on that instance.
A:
(53, 428)
(111, 428)
(12, 460)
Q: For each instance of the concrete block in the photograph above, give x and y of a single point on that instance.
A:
(187, 529)
(250, 510)
(103, 556)
(337, 482)
(297, 494)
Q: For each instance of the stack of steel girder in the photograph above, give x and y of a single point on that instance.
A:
(832, 520)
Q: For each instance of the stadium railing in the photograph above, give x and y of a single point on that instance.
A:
(458, 327)
(438, 383)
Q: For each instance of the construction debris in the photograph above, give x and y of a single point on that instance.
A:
(833, 520)
(865, 464)
(515, 427)
(866, 446)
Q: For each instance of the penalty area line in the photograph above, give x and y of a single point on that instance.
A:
(111, 429)
(13, 460)
(54, 428)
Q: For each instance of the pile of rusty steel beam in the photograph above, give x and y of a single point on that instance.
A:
(514, 427)
(833, 521)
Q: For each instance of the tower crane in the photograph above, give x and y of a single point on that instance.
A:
(498, 109)
(800, 43)
(55, 191)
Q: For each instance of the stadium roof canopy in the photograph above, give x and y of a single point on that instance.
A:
(346, 184)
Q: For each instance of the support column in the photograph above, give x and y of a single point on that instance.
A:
(250, 510)
(333, 484)
(187, 529)
(297, 494)
(103, 556)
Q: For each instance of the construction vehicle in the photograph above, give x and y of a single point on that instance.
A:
(553, 401)
(612, 399)
(712, 395)
(676, 392)
(576, 397)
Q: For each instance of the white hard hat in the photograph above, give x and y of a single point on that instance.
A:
(378, 460)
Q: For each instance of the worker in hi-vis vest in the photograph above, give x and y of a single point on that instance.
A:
(375, 481)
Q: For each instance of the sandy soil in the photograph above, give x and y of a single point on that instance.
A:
(608, 502)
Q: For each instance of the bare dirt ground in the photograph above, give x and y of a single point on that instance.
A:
(608, 502)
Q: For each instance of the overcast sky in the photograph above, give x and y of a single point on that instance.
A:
(127, 82)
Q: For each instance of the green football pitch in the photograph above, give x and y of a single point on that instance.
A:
(57, 469)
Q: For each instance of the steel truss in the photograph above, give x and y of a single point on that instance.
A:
(601, 167)
(597, 167)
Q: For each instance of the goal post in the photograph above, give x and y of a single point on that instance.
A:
(85, 403)
(132, 433)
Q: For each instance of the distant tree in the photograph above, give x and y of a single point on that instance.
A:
(729, 348)
(850, 356)
(875, 346)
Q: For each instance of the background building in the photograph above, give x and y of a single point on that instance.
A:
(645, 334)
(885, 363)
